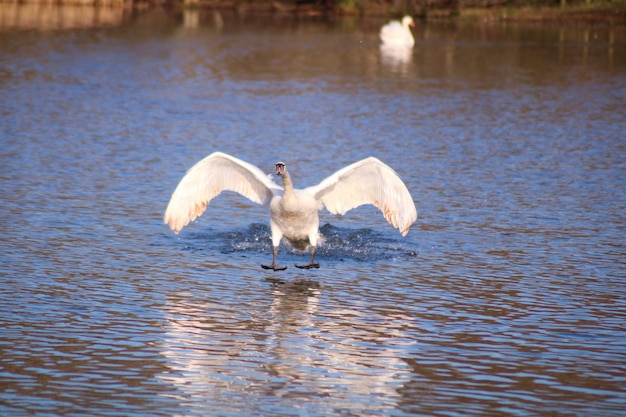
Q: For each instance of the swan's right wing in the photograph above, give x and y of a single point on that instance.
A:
(368, 181)
(207, 179)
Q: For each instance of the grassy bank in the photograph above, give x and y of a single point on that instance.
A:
(605, 12)
(612, 12)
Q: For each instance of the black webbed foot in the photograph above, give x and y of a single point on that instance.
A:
(274, 267)
(309, 266)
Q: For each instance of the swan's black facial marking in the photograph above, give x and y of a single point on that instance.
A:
(280, 168)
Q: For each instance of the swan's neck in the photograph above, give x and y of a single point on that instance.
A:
(288, 186)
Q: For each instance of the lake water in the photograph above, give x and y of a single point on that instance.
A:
(507, 297)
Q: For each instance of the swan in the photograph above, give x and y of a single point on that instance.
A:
(398, 34)
(293, 212)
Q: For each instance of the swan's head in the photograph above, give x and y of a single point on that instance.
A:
(407, 21)
(280, 168)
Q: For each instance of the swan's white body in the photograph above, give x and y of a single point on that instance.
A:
(397, 33)
(294, 213)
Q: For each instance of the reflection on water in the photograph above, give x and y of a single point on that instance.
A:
(47, 16)
(397, 58)
(506, 297)
(335, 360)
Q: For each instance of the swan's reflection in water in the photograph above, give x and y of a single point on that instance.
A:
(290, 348)
(396, 58)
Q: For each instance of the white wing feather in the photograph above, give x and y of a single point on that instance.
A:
(207, 179)
(368, 181)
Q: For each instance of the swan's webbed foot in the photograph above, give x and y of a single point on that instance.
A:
(311, 263)
(274, 267)
(309, 266)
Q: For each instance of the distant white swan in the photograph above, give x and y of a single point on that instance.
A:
(398, 34)
(294, 213)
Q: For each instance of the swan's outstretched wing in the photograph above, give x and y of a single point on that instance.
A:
(368, 181)
(207, 179)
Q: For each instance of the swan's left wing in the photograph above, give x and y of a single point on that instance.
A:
(208, 178)
(368, 181)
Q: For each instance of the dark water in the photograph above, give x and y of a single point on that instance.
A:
(506, 298)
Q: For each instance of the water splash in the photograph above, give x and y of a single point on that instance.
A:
(340, 243)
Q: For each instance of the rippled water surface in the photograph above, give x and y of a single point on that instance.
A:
(507, 297)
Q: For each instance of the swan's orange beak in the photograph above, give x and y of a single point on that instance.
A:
(280, 168)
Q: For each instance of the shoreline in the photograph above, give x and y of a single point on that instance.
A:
(584, 13)
(604, 12)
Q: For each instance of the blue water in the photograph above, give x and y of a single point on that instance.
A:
(506, 297)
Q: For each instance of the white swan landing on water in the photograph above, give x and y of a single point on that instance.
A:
(293, 212)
